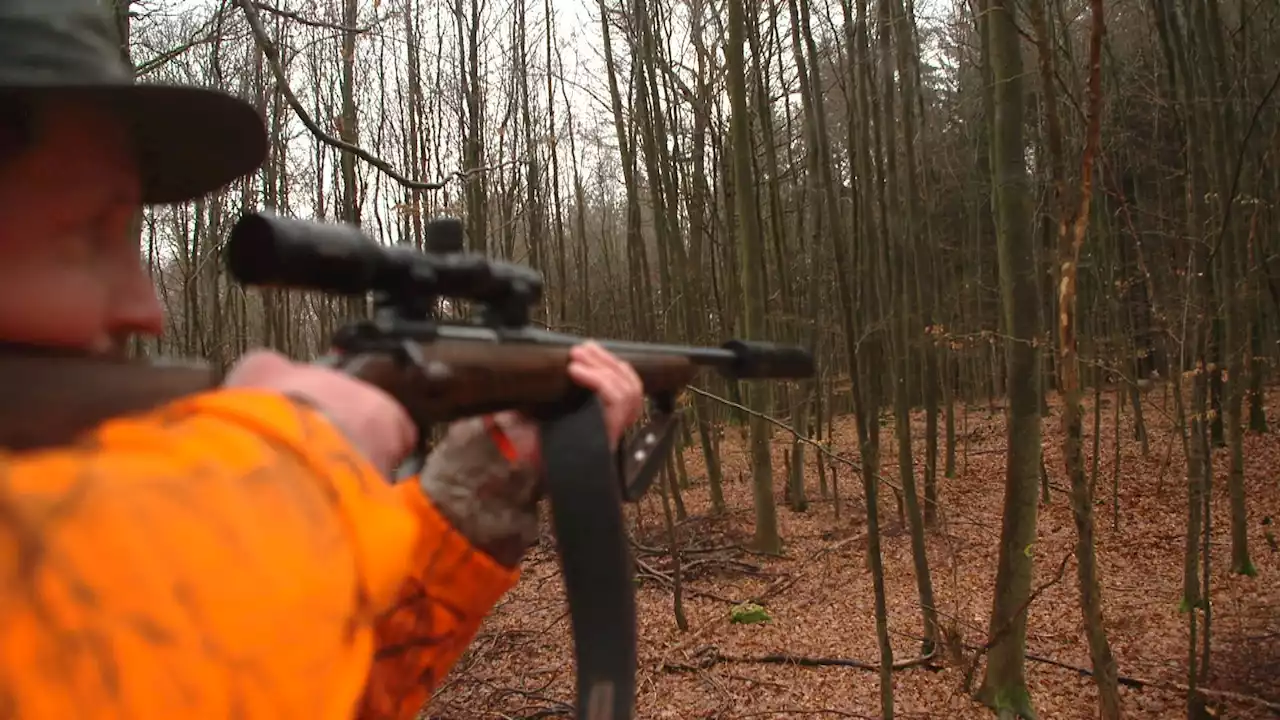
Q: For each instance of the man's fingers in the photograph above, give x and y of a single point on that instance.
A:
(589, 353)
(602, 372)
(613, 384)
(591, 376)
(614, 381)
(257, 367)
(617, 369)
(588, 366)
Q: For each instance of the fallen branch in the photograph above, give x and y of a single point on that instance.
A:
(546, 713)
(1134, 682)
(710, 656)
(551, 707)
(644, 569)
(801, 711)
(757, 681)
(720, 560)
(656, 550)
(772, 589)
(1140, 683)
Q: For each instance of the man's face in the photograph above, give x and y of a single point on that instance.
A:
(71, 272)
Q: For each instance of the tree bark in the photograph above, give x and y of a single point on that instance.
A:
(1004, 687)
(751, 243)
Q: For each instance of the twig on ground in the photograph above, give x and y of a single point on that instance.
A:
(546, 712)
(802, 711)
(757, 681)
(644, 569)
(1134, 682)
(773, 588)
(549, 707)
(710, 655)
(684, 551)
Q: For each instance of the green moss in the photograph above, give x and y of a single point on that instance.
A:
(1014, 702)
(1011, 702)
(1246, 569)
(749, 613)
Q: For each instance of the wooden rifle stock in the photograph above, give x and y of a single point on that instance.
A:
(48, 400)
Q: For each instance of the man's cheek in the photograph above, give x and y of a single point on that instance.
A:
(63, 311)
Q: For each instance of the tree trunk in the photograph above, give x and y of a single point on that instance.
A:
(1004, 687)
(751, 244)
(1104, 666)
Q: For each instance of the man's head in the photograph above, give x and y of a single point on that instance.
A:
(82, 149)
(70, 270)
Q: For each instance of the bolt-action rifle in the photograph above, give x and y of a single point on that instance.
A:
(439, 370)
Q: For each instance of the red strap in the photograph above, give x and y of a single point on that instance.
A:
(502, 440)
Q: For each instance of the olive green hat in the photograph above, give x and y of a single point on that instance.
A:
(189, 141)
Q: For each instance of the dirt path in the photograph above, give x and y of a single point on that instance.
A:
(521, 665)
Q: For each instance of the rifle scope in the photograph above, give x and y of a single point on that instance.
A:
(268, 250)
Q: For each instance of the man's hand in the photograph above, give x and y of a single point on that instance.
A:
(374, 422)
(493, 499)
(615, 382)
(380, 427)
(488, 497)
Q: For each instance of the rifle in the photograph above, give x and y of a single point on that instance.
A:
(439, 371)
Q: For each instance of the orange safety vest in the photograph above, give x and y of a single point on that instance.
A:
(227, 555)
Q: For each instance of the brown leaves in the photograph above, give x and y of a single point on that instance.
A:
(825, 606)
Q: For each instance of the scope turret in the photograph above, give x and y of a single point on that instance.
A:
(443, 235)
(268, 250)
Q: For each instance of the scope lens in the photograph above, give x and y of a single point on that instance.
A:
(251, 254)
(267, 250)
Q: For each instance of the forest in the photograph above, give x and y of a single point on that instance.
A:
(1034, 246)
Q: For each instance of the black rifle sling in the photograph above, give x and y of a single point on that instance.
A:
(586, 507)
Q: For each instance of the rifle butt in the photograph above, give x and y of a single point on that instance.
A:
(49, 400)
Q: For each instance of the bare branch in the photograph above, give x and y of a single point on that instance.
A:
(207, 33)
(290, 15)
(273, 59)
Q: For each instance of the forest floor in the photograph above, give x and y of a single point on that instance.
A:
(821, 604)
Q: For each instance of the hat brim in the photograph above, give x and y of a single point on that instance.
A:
(189, 141)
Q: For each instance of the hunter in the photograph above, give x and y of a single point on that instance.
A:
(241, 552)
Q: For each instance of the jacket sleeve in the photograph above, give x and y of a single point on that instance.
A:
(227, 555)
(449, 592)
